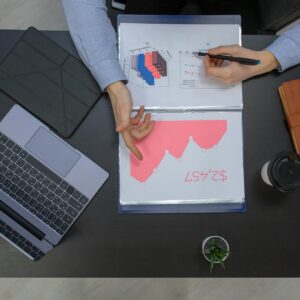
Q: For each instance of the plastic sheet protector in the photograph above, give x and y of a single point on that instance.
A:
(193, 158)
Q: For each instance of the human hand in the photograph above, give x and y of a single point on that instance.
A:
(130, 128)
(232, 72)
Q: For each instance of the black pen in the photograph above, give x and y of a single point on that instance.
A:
(241, 60)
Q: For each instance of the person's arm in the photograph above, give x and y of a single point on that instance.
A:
(95, 40)
(281, 54)
(286, 48)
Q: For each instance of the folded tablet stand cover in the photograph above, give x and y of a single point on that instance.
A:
(49, 82)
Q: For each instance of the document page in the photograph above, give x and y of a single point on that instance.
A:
(189, 158)
(163, 72)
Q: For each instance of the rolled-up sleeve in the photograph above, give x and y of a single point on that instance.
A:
(286, 48)
(95, 39)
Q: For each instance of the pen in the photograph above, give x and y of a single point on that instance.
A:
(241, 60)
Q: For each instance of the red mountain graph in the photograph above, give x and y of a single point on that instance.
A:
(173, 136)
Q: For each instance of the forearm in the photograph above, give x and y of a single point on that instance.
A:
(94, 38)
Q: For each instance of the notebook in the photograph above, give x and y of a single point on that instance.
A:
(290, 95)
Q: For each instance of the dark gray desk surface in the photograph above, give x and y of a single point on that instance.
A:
(264, 241)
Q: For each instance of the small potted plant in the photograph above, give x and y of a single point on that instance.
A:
(216, 250)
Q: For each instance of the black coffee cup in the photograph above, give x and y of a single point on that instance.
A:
(283, 171)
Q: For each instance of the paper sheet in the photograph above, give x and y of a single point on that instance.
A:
(188, 158)
(162, 71)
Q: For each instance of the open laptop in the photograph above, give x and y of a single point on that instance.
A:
(45, 184)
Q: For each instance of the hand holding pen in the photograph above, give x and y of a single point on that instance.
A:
(240, 60)
(242, 63)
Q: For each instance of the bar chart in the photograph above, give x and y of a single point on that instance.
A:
(147, 67)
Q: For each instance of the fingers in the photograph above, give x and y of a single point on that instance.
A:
(210, 67)
(139, 125)
(145, 123)
(208, 62)
(129, 142)
(223, 74)
(226, 50)
(136, 120)
(213, 62)
(137, 130)
(129, 127)
(219, 62)
(142, 131)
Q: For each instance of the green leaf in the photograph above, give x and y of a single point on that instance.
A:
(222, 264)
(212, 263)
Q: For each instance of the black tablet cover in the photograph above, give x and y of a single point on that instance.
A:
(49, 82)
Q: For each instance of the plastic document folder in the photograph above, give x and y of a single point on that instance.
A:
(49, 82)
(193, 158)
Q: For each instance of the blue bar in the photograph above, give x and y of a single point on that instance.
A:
(145, 73)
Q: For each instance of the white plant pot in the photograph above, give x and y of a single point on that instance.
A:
(208, 240)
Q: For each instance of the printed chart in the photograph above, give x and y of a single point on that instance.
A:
(192, 72)
(172, 138)
(163, 72)
(147, 67)
(193, 158)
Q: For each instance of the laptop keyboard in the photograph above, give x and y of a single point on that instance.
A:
(20, 241)
(37, 188)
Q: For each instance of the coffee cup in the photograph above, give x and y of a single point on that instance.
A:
(282, 171)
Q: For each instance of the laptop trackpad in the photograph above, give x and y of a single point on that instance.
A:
(52, 151)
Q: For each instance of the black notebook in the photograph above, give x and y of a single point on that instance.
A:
(49, 82)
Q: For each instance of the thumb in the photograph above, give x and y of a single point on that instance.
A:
(229, 50)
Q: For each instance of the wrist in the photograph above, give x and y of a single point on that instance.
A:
(268, 61)
(115, 87)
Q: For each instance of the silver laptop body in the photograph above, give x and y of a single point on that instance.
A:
(45, 184)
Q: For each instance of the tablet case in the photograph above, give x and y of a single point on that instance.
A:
(290, 98)
(49, 82)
